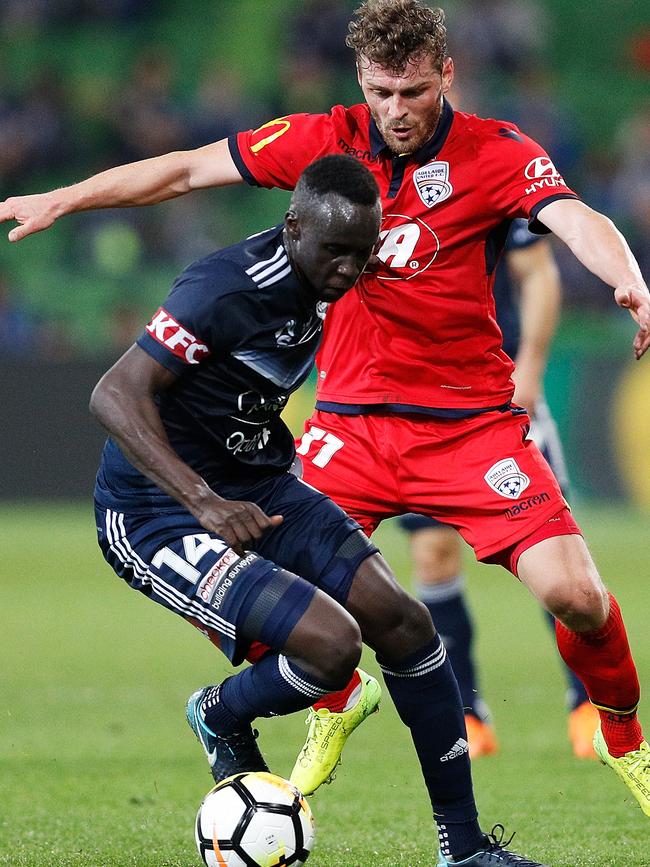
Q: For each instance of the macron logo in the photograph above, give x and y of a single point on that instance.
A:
(459, 749)
(171, 334)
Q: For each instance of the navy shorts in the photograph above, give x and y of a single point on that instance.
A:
(170, 557)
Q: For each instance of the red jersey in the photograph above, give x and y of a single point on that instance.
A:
(421, 330)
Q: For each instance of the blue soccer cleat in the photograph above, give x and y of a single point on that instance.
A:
(227, 754)
(491, 854)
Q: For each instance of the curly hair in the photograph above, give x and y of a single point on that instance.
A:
(392, 33)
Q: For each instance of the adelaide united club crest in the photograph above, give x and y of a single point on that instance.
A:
(432, 182)
(507, 479)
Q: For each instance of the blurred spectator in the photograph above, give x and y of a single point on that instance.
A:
(631, 185)
(149, 120)
(119, 243)
(124, 326)
(639, 51)
(44, 121)
(502, 36)
(23, 335)
(531, 101)
(316, 59)
(18, 328)
(221, 105)
(317, 33)
(34, 129)
(36, 14)
(115, 10)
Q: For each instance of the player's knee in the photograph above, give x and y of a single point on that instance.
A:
(437, 555)
(336, 651)
(341, 657)
(579, 602)
(417, 628)
(563, 576)
(387, 614)
(404, 629)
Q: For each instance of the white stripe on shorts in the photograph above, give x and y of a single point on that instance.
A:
(120, 545)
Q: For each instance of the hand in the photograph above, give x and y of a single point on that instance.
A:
(34, 213)
(636, 299)
(527, 388)
(238, 522)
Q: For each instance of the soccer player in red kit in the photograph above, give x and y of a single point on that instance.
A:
(414, 393)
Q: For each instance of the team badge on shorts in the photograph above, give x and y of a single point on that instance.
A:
(432, 182)
(507, 479)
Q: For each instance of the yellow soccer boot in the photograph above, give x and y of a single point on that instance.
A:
(327, 734)
(633, 768)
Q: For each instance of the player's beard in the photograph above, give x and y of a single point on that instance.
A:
(421, 132)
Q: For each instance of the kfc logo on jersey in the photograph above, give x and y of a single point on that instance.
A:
(407, 248)
(507, 479)
(543, 174)
(432, 183)
(171, 334)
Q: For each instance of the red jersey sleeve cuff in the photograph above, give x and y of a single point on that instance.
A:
(238, 160)
(534, 224)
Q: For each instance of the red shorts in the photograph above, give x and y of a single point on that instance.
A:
(480, 475)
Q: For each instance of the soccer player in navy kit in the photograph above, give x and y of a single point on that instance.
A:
(527, 294)
(414, 391)
(196, 507)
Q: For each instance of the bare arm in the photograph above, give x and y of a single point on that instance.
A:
(123, 401)
(537, 277)
(601, 248)
(142, 183)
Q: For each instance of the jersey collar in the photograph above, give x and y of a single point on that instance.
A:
(430, 149)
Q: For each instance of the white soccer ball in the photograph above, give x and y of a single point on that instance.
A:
(254, 820)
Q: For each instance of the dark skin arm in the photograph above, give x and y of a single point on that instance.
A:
(123, 402)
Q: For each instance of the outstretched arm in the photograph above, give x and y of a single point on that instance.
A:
(123, 402)
(601, 248)
(142, 183)
(537, 278)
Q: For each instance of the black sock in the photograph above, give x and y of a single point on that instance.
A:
(425, 693)
(273, 686)
(453, 622)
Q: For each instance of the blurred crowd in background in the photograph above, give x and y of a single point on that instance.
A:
(88, 84)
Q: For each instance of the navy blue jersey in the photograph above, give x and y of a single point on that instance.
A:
(241, 334)
(507, 304)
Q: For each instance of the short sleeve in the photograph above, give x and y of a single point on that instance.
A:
(519, 175)
(275, 154)
(199, 318)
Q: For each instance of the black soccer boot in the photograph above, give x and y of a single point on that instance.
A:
(227, 754)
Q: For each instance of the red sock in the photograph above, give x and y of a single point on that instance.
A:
(602, 660)
(336, 701)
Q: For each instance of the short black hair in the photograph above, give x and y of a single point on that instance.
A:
(341, 174)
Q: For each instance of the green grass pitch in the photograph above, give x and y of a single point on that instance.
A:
(98, 767)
